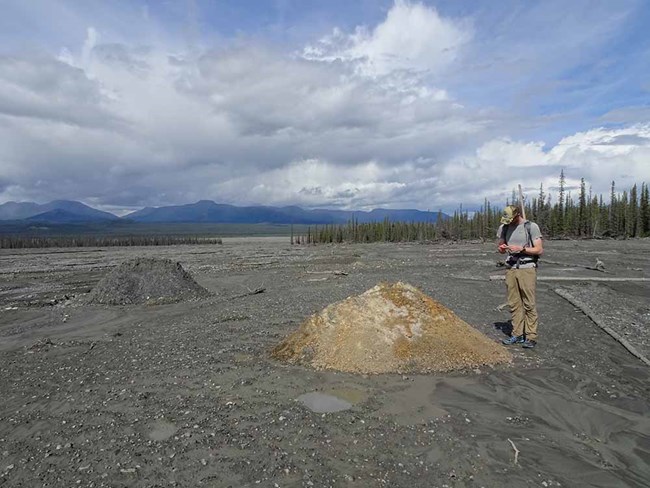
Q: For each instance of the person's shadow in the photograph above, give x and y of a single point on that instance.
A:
(505, 327)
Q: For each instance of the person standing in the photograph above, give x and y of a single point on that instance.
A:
(522, 241)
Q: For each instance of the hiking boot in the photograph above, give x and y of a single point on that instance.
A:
(528, 344)
(513, 340)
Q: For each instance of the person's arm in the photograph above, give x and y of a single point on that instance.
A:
(536, 250)
(502, 247)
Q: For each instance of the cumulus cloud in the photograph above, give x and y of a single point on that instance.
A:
(316, 183)
(192, 125)
(43, 88)
(354, 120)
(600, 156)
(413, 37)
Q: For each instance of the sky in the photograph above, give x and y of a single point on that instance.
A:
(354, 104)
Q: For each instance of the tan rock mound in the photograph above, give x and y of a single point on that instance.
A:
(146, 280)
(389, 328)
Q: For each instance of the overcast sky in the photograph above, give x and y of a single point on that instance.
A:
(342, 103)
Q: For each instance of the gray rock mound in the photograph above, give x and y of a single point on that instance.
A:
(146, 281)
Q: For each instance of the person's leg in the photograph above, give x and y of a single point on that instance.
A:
(515, 303)
(527, 280)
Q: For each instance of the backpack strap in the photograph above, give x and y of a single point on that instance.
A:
(529, 236)
(529, 240)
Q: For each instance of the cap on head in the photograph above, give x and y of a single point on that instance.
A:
(509, 214)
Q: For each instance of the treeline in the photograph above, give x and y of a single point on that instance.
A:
(21, 242)
(585, 215)
(384, 231)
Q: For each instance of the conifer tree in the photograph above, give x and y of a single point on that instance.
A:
(561, 205)
(621, 208)
(613, 215)
(582, 209)
(633, 213)
(644, 210)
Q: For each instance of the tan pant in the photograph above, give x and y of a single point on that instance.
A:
(521, 285)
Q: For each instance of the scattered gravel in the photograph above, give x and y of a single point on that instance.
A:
(185, 394)
(629, 318)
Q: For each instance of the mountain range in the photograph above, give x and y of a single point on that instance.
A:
(204, 211)
(55, 211)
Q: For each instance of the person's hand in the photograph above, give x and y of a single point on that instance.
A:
(503, 248)
(516, 248)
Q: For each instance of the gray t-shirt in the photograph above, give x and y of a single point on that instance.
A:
(516, 235)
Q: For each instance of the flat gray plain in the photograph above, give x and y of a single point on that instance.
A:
(186, 395)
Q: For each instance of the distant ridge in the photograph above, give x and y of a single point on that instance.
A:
(203, 211)
(59, 216)
(209, 211)
(55, 211)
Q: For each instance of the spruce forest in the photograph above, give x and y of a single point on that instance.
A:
(22, 242)
(623, 214)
